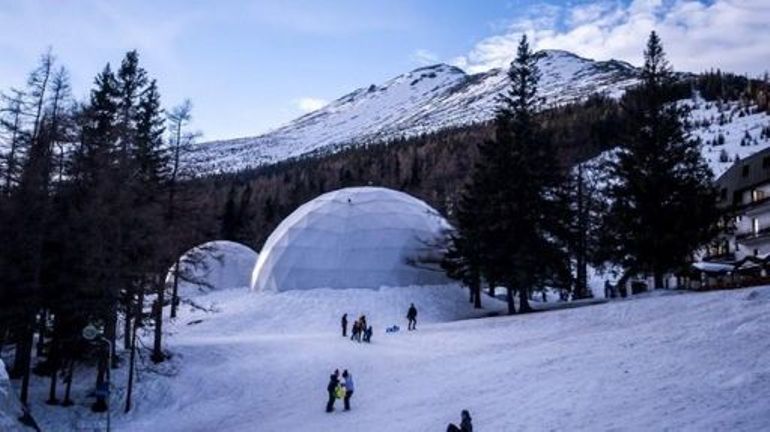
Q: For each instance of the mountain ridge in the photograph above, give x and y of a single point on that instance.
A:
(424, 100)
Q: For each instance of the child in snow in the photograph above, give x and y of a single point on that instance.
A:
(334, 380)
(349, 388)
(411, 315)
(465, 423)
(354, 330)
(368, 335)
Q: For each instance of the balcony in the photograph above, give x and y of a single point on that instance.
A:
(752, 236)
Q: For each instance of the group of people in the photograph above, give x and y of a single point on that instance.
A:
(360, 332)
(343, 388)
(340, 389)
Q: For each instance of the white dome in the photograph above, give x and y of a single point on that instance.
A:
(214, 265)
(364, 237)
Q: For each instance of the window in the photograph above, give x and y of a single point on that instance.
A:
(723, 194)
(766, 162)
(757, 195)
(755, 226)
(745, 171)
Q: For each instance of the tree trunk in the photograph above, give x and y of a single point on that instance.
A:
(658, 277)
(132, 358)
(41, 331)
(127, 318)
(509, 300)
(524, 306)
(53, 359)
(25, 352)
(476, 290)
(100, 405)
(175, 290)
(70, 370)
(111, 333)
(157, 350)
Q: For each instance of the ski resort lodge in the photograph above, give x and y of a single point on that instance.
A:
(745, 190)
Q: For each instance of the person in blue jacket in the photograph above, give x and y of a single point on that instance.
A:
(350, 387)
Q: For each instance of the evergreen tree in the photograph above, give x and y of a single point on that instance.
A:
(12, 116)
(662, 200)
(511, 224)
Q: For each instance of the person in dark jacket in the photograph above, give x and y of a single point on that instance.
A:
(465, 423)
(334, 380)
(344, 325)
(355, 330)
(368, 335)
(349, 388)
(411, 315)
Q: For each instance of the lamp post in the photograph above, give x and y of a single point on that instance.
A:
(92, 333)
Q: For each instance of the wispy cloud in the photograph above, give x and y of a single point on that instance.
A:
(424, 57)
(309, 104)
(729, 34)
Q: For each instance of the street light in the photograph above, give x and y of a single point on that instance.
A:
(92, 333)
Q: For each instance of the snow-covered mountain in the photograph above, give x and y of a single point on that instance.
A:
(424, 100)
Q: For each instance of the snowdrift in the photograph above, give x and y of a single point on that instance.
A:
(10, 407)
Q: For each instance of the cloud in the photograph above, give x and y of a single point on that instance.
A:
(729, 34)
(424, 57)
(309, 104)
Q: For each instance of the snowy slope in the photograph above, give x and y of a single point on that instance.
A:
(739, 127)
(424, 100)
(10, 407)
(665, 361)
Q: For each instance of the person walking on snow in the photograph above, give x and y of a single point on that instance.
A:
(465, 423)
(349, 388)
(411, 315)
(334, 380)
(344, 325)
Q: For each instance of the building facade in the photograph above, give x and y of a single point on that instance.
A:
(744, 190)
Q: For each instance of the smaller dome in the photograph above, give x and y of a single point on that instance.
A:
(214, 265)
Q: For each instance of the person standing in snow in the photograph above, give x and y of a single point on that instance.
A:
(368, 335)
(349, 388)
(411, 315)
(334, 381)
(354, 330)
(344, 325)
(465, 423)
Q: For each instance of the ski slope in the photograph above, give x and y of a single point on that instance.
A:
(665, 361)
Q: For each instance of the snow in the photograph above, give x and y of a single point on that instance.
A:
(713, 267)
(677, 362)
(737, 121)
(665, 360)
(362, 237)
(217, 264)
(10, 407)
(421, 101)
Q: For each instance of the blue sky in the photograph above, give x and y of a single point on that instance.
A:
(249, 66)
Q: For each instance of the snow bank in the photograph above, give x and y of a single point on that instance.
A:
(10, 407)
(211, 266)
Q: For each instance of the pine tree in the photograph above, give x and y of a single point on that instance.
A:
(12, 126)
(510, 220)
(662, 199)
